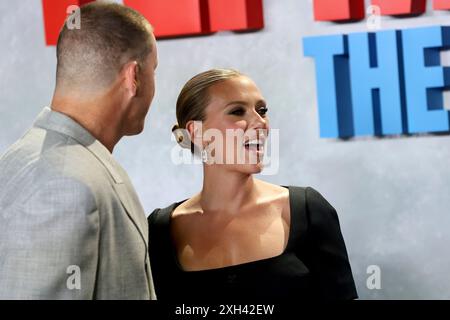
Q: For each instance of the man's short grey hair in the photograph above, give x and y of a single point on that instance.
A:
(111, 35)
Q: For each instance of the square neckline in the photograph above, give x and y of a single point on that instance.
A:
(174, 255)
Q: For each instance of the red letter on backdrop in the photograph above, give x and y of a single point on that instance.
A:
(401, 7)
(55, 13)
(172, 18)
(236, 15)
(338, 10)
(441, 4)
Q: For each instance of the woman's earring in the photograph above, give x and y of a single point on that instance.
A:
(204, 156)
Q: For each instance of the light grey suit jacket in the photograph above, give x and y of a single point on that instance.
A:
(71, 224)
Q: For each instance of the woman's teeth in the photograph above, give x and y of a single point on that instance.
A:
(254, 144)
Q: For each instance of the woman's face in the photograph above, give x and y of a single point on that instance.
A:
(237, 112)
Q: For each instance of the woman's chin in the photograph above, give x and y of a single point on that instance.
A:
(252, 168)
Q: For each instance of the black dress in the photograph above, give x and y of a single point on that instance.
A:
(314, 264)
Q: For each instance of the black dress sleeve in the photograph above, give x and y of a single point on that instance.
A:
(164, 268)
(157, 251)
(326, 254)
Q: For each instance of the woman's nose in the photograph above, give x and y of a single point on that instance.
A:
(257, 121)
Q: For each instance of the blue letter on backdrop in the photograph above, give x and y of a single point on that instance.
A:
(333, 84)
(425, 79)
(376, 83)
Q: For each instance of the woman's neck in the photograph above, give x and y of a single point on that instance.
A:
(226, 191)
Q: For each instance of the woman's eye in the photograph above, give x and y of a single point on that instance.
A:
(262, 111)
(237, 112)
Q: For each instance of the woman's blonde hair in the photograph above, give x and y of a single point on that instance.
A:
(194, 98)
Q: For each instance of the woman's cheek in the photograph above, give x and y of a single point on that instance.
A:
(242, 124)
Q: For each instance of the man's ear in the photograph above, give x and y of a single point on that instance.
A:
(131, 72)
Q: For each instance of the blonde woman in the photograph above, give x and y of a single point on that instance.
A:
(240, 237)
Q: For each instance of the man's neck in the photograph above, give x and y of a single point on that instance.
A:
(98, 118)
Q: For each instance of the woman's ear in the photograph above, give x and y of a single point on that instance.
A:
(195, 129)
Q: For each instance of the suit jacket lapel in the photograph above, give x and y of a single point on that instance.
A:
(59, 122)
(123, 188)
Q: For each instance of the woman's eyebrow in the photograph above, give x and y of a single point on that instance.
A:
(259, 102)
(236, 102)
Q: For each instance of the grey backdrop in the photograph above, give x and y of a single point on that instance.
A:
(392, 194)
